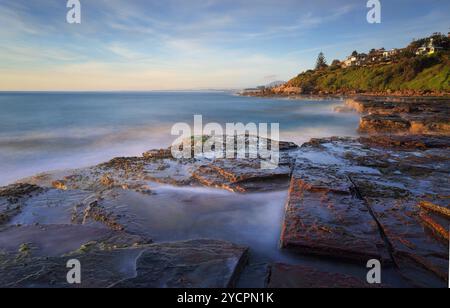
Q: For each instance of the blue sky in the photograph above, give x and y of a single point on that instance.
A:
(193, 44)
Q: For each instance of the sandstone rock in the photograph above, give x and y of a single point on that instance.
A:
(61, 185)
(17, 191)
(100, 269)
(107, 180)
(243, 175)
(12, 198)
(409, 142)
(344, 109)
(324, 218)
(297, 276)
(193, 264)
(57, 240)
(51, 206)
(413, 116)
(158, 154)
(386, 124)
(386, 175)
(440, 210)
(435, 227)
(97, 213)
(135, 173)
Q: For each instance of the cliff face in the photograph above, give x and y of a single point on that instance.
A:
(410, 76)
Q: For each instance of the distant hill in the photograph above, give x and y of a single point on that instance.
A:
(413, 70)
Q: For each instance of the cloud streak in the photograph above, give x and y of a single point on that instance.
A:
(179, 44)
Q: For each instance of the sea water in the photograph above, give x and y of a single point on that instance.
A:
(42, 131)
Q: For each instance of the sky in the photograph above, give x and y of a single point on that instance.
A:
(143, 45)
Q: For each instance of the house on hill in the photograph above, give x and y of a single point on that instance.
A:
(376, 55)
(388, 54)
(428, 49)
(355, 60)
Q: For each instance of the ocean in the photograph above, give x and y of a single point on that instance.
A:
(42, 131)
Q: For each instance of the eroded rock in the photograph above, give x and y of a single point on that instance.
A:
(414, 116)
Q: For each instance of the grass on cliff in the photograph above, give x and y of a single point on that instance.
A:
(427, 73)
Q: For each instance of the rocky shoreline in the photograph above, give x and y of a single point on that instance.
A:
(383, 196)
(289, 91)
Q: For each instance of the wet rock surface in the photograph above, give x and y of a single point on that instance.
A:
(324, 218)
(337, 206)
(12, 198)
(387, 115)
(192, 264)
(85, 214)
(350, 200)
(116, 260)
(298, 276)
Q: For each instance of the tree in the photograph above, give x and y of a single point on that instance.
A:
(355, 53)
(335, 63)
(321, 62)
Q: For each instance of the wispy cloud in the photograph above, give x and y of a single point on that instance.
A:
(150, 44)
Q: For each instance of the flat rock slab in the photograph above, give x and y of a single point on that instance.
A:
(415, 249)
(196, 264)
(423, 116)
(241, 175)
(12, 198)
(413, 176)
(192, 264)
(324, 218)
(387, 176)
(51, 206)
(135, 173)
(57, 240)
(100, 269)
(297, 276)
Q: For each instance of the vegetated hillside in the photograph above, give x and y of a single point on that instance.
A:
(408, 72)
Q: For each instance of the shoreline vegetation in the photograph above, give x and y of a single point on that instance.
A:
(420, 69)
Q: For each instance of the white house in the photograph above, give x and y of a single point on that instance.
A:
(428, 49)
(391, 53)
